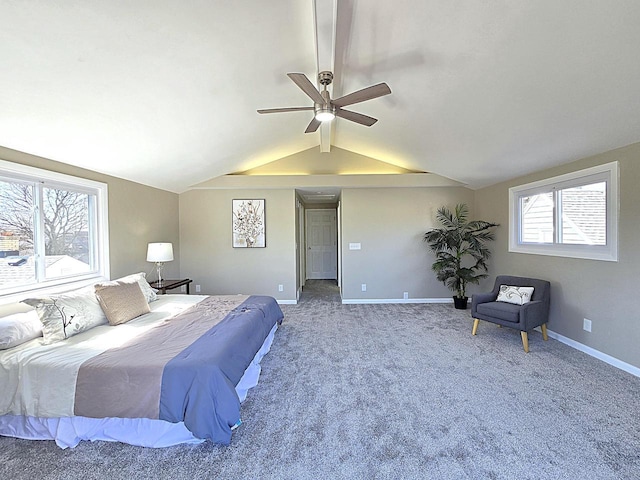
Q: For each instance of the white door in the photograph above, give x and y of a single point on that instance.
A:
(322, 253)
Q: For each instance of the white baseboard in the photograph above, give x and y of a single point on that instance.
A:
(627, 367)
(395, 300)
(287, 302)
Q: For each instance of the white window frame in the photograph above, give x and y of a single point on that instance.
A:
(47, 178)
(602, 173)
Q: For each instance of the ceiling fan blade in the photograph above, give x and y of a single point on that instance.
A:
(363, 95)
(356, 117)
(301, 80)
(313, 125)
(286, 109)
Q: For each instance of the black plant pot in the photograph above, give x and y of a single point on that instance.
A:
(460, 302)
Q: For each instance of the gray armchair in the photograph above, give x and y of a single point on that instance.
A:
(521, 317)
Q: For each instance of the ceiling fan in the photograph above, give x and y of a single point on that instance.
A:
(326, 109)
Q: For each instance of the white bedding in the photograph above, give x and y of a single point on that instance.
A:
(50, 392)
(44, 409)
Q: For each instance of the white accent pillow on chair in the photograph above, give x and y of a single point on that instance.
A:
(515, 295)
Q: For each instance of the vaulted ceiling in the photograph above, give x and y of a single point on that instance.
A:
(165, 93)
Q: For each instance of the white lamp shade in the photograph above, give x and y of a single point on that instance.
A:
(160, 252)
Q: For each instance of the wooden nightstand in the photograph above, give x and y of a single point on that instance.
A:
(170, 285)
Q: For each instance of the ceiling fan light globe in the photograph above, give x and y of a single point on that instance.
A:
(325, 115)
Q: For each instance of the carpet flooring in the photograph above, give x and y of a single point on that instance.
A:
(388, 392)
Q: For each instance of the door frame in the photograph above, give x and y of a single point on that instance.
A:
(301, 243)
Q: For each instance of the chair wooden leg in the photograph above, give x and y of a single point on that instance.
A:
(476, 322)
(544, 332)
(525, 341)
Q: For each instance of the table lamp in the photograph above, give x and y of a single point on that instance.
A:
(160, 253)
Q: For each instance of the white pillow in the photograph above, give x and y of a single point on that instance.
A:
(515, 295)
(149, 293)
(19, 328)
(68, 314)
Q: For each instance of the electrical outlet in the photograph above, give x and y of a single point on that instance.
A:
(586, 324)
(364, 287)
(280, 288)
(197, 288)
(183, 289)
(406, 295)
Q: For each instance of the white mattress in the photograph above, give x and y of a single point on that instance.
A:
(45, 409)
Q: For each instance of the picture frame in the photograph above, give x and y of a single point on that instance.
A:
(248, 223)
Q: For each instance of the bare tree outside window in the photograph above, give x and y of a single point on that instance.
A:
(54, 229)
(16, 215)
(65, 220)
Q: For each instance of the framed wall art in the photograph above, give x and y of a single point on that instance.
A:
(248, 224)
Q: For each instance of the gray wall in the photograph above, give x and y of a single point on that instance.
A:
(389, 223)
(604, 292)
(137, 215)
(206, 251)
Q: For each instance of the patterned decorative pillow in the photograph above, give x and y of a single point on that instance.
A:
(515, 295)
(68, 314)
(149, 293)
(19, 328)
(121, 301)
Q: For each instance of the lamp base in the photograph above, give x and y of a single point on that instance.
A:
(159, 266)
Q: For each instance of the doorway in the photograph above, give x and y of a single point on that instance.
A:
(321, 244)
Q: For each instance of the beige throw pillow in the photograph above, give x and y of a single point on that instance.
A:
(121, 301)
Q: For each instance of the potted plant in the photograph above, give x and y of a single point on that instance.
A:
(461, 251)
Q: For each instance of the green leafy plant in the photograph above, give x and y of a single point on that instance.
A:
(460, 248)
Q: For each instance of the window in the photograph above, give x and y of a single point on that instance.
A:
(573, 215)
(53, 229)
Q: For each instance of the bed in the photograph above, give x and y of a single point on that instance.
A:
(176, 374)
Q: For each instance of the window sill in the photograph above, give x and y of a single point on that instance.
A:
(593, 253)
(57, 288)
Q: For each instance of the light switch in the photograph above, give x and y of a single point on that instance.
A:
(354, 246)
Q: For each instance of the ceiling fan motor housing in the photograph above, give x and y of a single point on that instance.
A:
(327, 107)
(325, 78)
